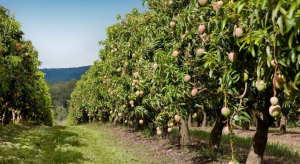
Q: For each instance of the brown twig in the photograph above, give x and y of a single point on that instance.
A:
(245, 91)
(275, 71)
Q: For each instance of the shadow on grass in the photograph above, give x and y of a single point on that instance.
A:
(203, 156)
(38, 144)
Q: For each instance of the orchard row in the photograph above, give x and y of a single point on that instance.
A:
(23, 91)
(237, 60)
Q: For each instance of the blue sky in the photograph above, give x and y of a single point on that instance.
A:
(66, 32)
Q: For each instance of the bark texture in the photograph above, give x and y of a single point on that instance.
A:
(116, 120)
(216, 133)
(183, 132)
(190, 121)
(260, 139)
(204, 122)
(196, 124)
(283, 122)
(13, 115)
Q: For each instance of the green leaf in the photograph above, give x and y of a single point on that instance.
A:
(282, 62)
(282, 11)
(246, 114)
(275, 11)
(223, 23)
(268, 50)
(291, 11)
(280, 24)
(293, 56)
(240, 8)
(257, 15)
(289, 24)
(285, 89)
(253, 51)
(263, 6)
(290, 42)
(297, 77)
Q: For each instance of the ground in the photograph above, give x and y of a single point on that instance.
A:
(104, 143)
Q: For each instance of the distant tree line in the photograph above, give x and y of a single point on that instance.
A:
(60, 93)
(54, 75)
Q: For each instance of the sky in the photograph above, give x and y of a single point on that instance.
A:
(66, 32)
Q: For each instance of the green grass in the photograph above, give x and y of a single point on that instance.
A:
(59, 144)
(288, 131)
(274, 149)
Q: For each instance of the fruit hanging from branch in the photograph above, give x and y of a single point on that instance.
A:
(141, 122)
(18, 46)
(232, 57)
(177, 118)
(274, 100)
(226, 130)
(131, 102)
(238, 32)
(244, 77)
(202, 2)
(172, 24)
(201, 29)
(158, 132)
(187, 78)
(194, 92)
(225, 111)
(273, 63)
(279, 81)
(275, 111)
(260, 85)
(137, 93)
(175, 53)
(200, 51)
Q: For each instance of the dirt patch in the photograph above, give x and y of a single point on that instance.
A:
(168, 151)
(289, 139)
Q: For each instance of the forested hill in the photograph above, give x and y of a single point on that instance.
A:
(53, 75)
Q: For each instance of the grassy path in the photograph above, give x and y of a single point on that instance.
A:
(60, 144)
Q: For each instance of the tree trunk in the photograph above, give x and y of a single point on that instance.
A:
(245, 125)
(283, 122)
(196, 122)
(116, 120)
(165, 132)
(190, 121)
(183, 132)
(204, 120)
(18, 118)
(260, 138)
(105, 117)
(216, 133)
(90, 119)
(13, 115)
(4, 118)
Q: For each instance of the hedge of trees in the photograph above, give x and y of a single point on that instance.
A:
(60, 94)
(179, 57)
(23, 92)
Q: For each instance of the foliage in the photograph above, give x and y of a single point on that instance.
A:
(140, 54)
(23, 91)
(60, 113)
(60, 93)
